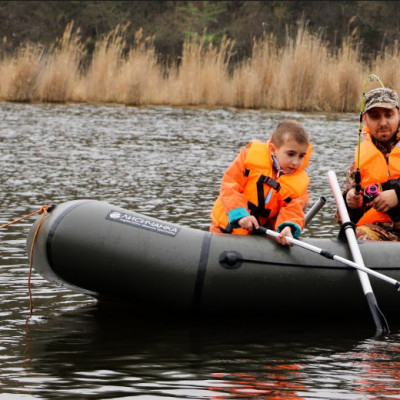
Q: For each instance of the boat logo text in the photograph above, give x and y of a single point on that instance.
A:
(142, 222)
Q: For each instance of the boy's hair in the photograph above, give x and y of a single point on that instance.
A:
(289, 129)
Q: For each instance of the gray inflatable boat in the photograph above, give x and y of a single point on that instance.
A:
(118, 255)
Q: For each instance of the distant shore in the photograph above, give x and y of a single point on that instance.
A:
(303, 76)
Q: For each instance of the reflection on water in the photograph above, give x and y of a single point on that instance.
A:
(100, 351)
(166, 163)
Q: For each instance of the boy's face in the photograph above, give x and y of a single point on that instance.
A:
(383, 122)
(290, 155)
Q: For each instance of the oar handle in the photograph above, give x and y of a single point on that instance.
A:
(299, 243)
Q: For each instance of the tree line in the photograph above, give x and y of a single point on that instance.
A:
(370, 25)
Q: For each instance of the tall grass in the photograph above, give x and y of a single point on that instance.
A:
(253, 81)
(19, 74)
(303, 75)
(58, 73)
(202, 78)
(100, 83)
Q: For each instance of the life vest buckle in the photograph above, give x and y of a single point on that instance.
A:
(272, 183)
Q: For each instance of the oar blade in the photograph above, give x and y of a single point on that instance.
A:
(382, 327)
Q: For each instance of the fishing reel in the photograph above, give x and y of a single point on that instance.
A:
(371, 191)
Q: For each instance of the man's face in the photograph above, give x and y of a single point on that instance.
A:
(383, 122)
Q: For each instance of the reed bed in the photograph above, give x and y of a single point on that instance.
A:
(304, 75)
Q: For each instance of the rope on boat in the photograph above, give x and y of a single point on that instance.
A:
(43, 210)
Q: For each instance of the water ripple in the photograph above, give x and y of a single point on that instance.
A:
(166, 163)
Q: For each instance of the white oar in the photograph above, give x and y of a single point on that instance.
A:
(379, 319)
(328, 254)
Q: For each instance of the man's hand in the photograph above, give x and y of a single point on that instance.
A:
(385, 201)
(354, 200)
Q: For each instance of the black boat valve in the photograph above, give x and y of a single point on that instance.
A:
(230, 259)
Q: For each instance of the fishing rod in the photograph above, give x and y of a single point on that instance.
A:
(357, 176)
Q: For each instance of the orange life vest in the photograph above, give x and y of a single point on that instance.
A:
(265, 196)
(375, 169)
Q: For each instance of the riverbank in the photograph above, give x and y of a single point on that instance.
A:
(302, 76)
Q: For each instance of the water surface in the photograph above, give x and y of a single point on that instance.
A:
(166, 163)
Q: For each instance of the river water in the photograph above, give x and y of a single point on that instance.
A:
(166, 163)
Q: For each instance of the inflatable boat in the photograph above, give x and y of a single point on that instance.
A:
(119, 255)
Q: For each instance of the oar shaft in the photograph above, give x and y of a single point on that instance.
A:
(368, 270)
(314, 209)
(332, 256)
(377, 315)
(350, 235)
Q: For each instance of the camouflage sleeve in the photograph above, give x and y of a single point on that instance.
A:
(350, 179)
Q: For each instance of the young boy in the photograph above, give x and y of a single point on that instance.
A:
(266, 185)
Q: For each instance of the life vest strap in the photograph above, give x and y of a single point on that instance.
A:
(271, 182)
(257, 211)
(227, 229)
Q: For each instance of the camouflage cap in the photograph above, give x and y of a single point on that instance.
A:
(381, 97)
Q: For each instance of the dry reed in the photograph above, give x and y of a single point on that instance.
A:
(59, 71)
(140, 78)
(100, 83)
(254, 79)
(202, 78)
(304, 75)
(18, 75)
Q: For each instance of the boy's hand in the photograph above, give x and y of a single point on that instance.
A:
(250, 223)
(286, 231)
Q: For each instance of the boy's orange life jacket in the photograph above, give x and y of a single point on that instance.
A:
(264, 195)
(375, 169)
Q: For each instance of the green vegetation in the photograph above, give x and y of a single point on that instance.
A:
(372, 25)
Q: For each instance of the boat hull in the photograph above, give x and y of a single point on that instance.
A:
(114, 254)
